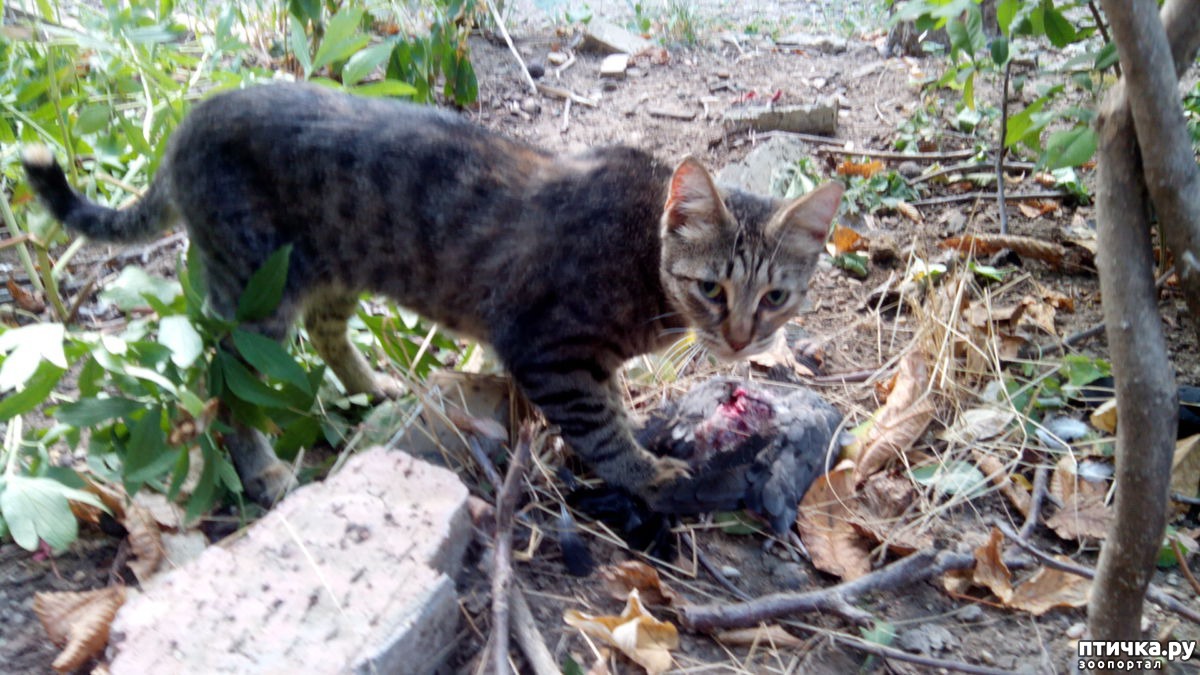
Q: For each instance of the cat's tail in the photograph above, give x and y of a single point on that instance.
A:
(152, 213)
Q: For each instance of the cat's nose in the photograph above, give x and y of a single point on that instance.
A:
(738, 345)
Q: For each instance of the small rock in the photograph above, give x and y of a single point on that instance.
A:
(730, 571)
(609, 38)
(929, 639)
(986, 657)
(613, 66)
(723, 74)
(1076, 630)
(608, 85)
(634, 71)
(971, 613)
(909, 169)
(536, 69)
(672, 113)
(531, 105)
(557, 58)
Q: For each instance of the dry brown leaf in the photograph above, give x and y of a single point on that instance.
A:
(986, 244)
(638, 635)
(773, 635)
(779, 355)
(979, 314)
(1039, 315)
(145, 541)
(978, 424)
(1083, 515)
(1019, 495)
(846, 240)
(624, 577)
(909, 211)
(990, 570)
(900, 421)
(1185, 467)
(864, 169)
(881, 511)
(1050, 588)
(1045, 179)
(1059, 301)
(78, 622)
(1028, 210)
(30, 302)
(187, 428)
(1104, 417)
(826, 528)
(958, 582)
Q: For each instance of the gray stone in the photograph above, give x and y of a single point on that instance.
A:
(672, 113)
(756, 172)
(352, 574)
(818, 118)
(828, 44)
(613, 66)
(608, 38)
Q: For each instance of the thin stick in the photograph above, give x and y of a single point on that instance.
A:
(1181, 556)
(712, 569)
(1040, 478)
(928, 661)
(533, 89)
(506, 506)
(1153, 593)
(559, 92)
(967, 166)
(972, 196)
(1003, 150)
(566, 123)
(840, 378)
(902, 156)
(1184, 499)
(541, 661)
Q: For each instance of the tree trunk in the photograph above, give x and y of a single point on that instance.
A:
(1146, 100)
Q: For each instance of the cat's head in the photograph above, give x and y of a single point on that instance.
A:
(737, 265)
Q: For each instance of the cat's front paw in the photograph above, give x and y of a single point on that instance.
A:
(668, 470)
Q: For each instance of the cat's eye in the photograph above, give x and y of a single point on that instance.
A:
(776, 297)
(711, 290)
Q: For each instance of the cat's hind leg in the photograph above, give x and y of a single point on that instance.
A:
(326, 314)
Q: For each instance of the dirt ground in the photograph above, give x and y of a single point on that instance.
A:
(876, 96)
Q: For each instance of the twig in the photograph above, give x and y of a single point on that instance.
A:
(533, 88)
(484, 462)
(928, 661)
(967, 166)
(711, 569)
(559, 92)
(541, 661)
(566, 64)
(1153, 593)
(1003, 150)
(1040, 478)
(971, 196)
(1103, 32)
(798, 135)
(506, 506)
(1184, 499)
(566, 123)
(902, 156)
(14, 241)
(836, 599)
(1181, 557)
(840, 378)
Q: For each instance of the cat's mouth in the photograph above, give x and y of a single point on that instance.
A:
(726, 352)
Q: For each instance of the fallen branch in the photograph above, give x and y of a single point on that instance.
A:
(837, 599)
(971, 196)
(506, 506)
(1040, 478)
(533, 88)
(541, 661)
(1153, 593)
(1181, 556)
(1003, 151)
(901, 156)
(970, 166)
(927, 661)
(560, 93)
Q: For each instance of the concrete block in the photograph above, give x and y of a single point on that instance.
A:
(819, 118)
(352, 574)
(608, 38)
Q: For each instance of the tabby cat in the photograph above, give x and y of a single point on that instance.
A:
(567, 265)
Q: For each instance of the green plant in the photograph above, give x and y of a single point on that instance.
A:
(973, 53)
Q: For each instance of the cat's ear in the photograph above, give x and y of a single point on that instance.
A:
(694, 207)
(806, 220)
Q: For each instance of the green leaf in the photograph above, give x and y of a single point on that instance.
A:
(1070, 148)
(986, 272)
(1106, 57)
(179, 335)
(36, 508)
(880, 633)
(305, 10)
(999, 49)
(127, 291)
(92, 118)
(365, 62)
(36, 390)
(265, 288)
(854, 263)
(1058, 29)
(204, 493)
(1005, 11)
(299, 44)
(1081, 371)
(270, 358)
(341, 38)
(146, 456)
(952, 478)
(249, 388)
(89, 412)
(27, 347)
(383, 88)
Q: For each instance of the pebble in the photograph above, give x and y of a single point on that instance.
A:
(536, 69)
(531, 105)
(971, 613)
(724, 74)
(730, 571)
(556, 58)
(1076, 630)
(986, 657)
